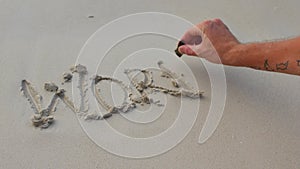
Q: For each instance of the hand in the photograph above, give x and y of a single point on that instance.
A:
(211, 40)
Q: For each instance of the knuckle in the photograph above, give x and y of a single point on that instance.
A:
(218, 20)
(207, 22)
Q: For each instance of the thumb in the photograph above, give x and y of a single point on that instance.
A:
(186, 49)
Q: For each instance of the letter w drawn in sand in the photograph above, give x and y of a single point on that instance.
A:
(43, 116)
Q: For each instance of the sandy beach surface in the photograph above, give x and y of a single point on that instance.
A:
(39, 40)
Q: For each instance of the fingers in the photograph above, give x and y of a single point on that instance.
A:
(185, 49)
(195, 37)
(211, 40)
(204, 49)
(219, 22)
(192, 36)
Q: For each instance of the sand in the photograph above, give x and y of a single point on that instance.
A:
(41, 40)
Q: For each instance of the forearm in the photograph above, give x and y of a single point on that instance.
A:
(279, 56)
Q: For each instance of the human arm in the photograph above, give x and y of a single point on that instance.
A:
(278, 56)
(213, 41)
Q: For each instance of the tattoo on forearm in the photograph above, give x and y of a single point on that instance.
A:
(282, 66)
(267, 66)
(298, 62)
